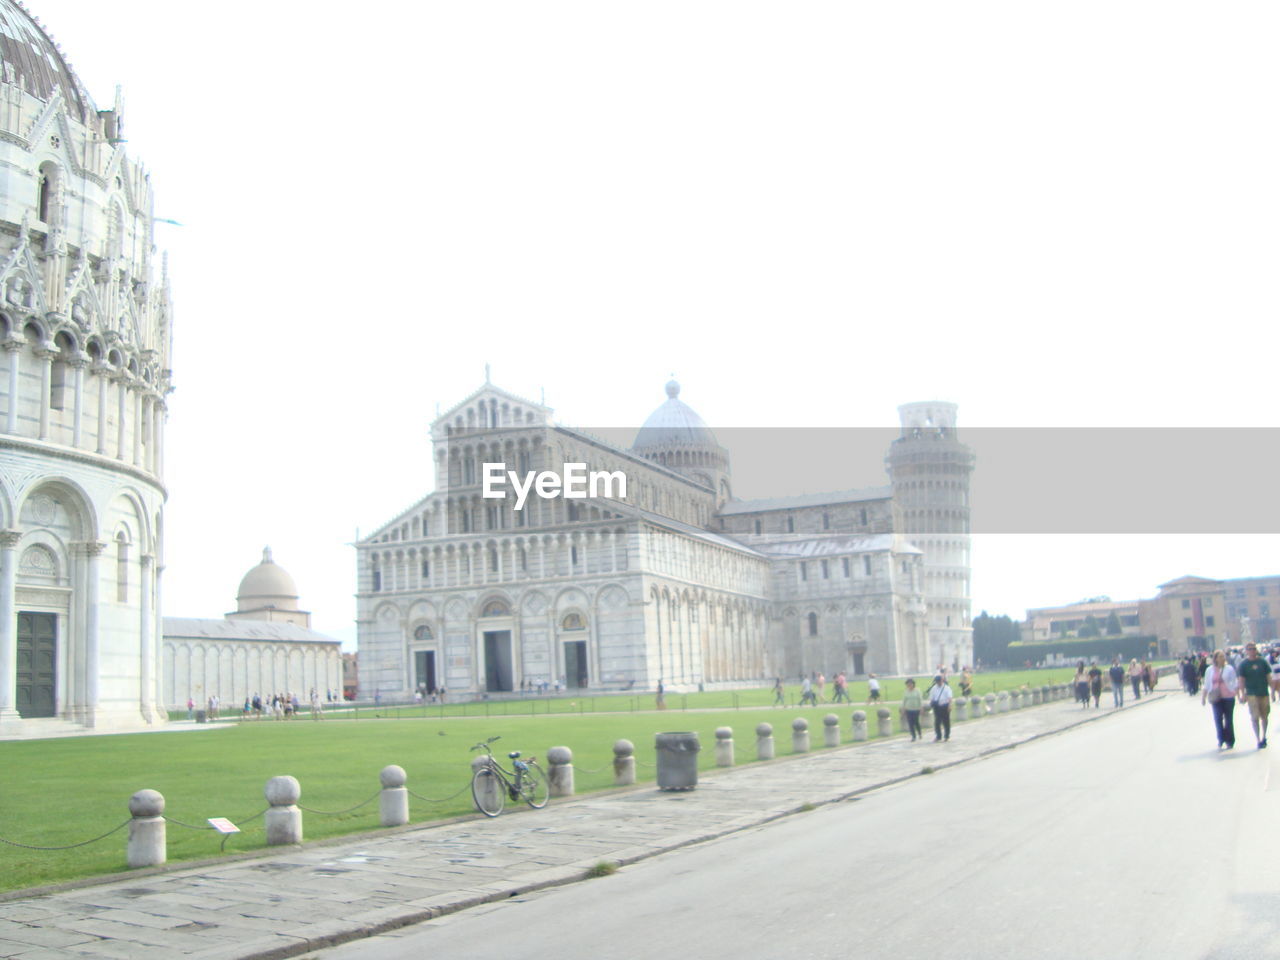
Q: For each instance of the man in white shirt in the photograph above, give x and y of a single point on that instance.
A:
(940, 700)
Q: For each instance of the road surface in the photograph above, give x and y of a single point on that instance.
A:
(1133, 837)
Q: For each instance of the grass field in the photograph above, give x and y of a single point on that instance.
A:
(63, 791)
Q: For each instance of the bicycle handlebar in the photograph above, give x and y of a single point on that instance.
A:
(484, 744)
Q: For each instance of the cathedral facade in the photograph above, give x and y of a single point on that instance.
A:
(592, 583)
(85, 328)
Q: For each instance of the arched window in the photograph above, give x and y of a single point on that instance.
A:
(122, 568)
(813, 624)
(573, 621)
(47, 182)
(422, 633)
(496, 608)
(59, 372)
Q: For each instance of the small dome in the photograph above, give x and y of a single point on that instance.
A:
(267, 585)
(674, 424)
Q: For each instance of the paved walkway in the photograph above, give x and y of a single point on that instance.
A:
(291, 901)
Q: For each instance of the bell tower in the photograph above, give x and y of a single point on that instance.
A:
(929, 468)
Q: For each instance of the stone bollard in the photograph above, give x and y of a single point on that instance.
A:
(975, 706)
(988, 704)
(146, 846)
(1002, 701)
(884, 722)
(393, 802)
(831, 730)
(284, 819)
(859, 726)
(1045, 696)
(799, 735)
(1036, 697)
(724, 746)
(560, 776)
(1059, 691)
(624, 763)
(1015, 699)
(764, 741)
(958, 709)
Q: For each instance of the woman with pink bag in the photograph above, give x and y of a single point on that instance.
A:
(1220, 690)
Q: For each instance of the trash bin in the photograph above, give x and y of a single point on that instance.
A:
(677, 760)
(201, 716)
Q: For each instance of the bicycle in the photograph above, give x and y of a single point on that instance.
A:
(526, 781)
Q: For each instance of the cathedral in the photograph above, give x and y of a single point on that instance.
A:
(547, 556)
(85, 324)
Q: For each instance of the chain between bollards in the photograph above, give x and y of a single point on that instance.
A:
(69, 846)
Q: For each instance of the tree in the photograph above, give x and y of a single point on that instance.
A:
(1090, 627)
(1113, 625)
(992, 636)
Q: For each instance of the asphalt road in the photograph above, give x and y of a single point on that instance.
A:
(1129, 838)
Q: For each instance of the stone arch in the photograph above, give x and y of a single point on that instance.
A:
(60, 505)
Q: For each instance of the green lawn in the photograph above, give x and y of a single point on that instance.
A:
(221, 771)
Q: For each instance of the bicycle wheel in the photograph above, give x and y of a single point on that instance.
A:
(534, 789)
(487, 791)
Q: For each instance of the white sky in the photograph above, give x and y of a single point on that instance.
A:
(1051, 214)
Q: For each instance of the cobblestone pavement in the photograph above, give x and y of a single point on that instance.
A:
(290, 901)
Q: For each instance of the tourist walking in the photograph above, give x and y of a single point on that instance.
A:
(1095, 684)
(940, 700)
(912, 704)
(873, 689)
(1255, 687)
(1116, 673)
(779, 699)
(841, 683)
(1082, 685)
(806, 692)
(966, 682)
(1220, 684)
(661, 699)
(1135, 679)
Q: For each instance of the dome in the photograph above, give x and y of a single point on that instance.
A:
(267, 585)
(674, 424)
(33, 61)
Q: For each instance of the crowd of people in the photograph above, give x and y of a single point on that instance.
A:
(1140, 675)
(279, 706)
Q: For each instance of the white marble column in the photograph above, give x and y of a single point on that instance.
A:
(122, 395)
(136, 390)
(46, 374)
(8, 622)
(14, 349)
(77, 434)
(92, 655)
(101, 371)
(157, 442)
(146, 684)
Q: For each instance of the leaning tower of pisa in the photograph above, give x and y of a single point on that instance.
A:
(930, 468)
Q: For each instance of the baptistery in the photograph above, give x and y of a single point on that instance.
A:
(85, 324)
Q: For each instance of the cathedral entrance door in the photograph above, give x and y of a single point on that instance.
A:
(859, 664)
(424, 670)
(497, 661)
(37, 655)
(575, 664)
